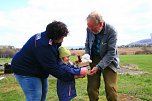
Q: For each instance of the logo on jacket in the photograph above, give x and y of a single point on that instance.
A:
(38, 36)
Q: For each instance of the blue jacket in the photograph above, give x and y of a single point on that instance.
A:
(66, 90)
(108, 48)
(39, 58)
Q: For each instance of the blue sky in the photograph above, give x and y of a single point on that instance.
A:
(20, 19)
(8, 5)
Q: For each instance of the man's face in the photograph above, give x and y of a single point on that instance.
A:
(93, 26)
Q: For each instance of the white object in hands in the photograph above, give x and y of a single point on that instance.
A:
(86, 58)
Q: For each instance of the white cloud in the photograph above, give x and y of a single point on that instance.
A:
(3, 19)
(132, 19)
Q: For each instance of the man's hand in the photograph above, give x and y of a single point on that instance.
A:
(93, 71)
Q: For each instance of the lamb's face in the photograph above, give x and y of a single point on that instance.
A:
(86, 58)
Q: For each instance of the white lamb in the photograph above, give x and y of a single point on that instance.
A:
(86, 58)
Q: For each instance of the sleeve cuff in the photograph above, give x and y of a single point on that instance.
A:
(98, 66)
(83, 71)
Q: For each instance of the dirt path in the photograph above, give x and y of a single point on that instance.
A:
(131, 69)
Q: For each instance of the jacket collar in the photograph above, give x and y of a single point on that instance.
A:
(104, 28)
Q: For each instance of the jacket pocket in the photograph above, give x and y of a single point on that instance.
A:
(103, 48)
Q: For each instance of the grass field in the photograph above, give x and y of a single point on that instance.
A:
(138, 86)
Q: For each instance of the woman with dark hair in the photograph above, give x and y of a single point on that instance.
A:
(37, 59)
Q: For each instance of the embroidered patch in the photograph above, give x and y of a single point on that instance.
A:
(38, 36)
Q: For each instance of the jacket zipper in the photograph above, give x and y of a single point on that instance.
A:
(70, 90)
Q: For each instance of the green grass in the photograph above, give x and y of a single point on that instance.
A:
(138, 86)
(143, 61)
(5, 60)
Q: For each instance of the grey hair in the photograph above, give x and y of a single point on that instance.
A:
(95, 16)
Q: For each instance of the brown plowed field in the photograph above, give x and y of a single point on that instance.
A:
(120, 51)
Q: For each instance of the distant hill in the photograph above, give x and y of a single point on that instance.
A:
(142, 42)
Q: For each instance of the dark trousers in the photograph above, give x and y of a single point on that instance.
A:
(110, 81)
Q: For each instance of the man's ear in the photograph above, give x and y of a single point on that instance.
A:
(101, 24)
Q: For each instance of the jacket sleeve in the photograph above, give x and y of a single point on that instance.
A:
(111, 51)
(87, 49)
(47, 57)
(71, 69)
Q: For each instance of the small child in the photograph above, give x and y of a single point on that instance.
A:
(66, 90)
